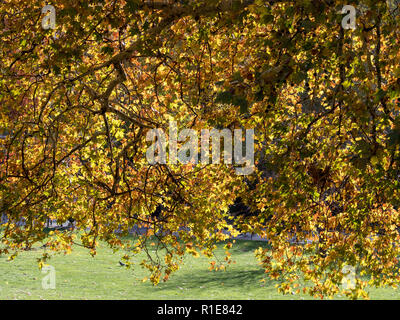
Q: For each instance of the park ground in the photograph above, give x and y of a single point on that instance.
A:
(81, 276)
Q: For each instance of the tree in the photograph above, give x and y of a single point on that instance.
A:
(76, 103)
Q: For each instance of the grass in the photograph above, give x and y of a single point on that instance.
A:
(80, 276)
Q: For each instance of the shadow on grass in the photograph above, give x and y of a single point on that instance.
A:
(214, 280)
(248, 245)
(242, 278)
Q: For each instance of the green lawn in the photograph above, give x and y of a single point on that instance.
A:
(80, 276)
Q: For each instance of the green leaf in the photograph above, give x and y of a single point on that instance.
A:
(242, 103)
(380, 95)
(107, 50)
(224, 97)
(131, 6)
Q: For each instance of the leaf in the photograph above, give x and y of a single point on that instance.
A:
(225, 97)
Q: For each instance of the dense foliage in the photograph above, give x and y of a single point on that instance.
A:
(77, 101)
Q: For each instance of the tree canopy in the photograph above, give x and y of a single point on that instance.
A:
(77, 101)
